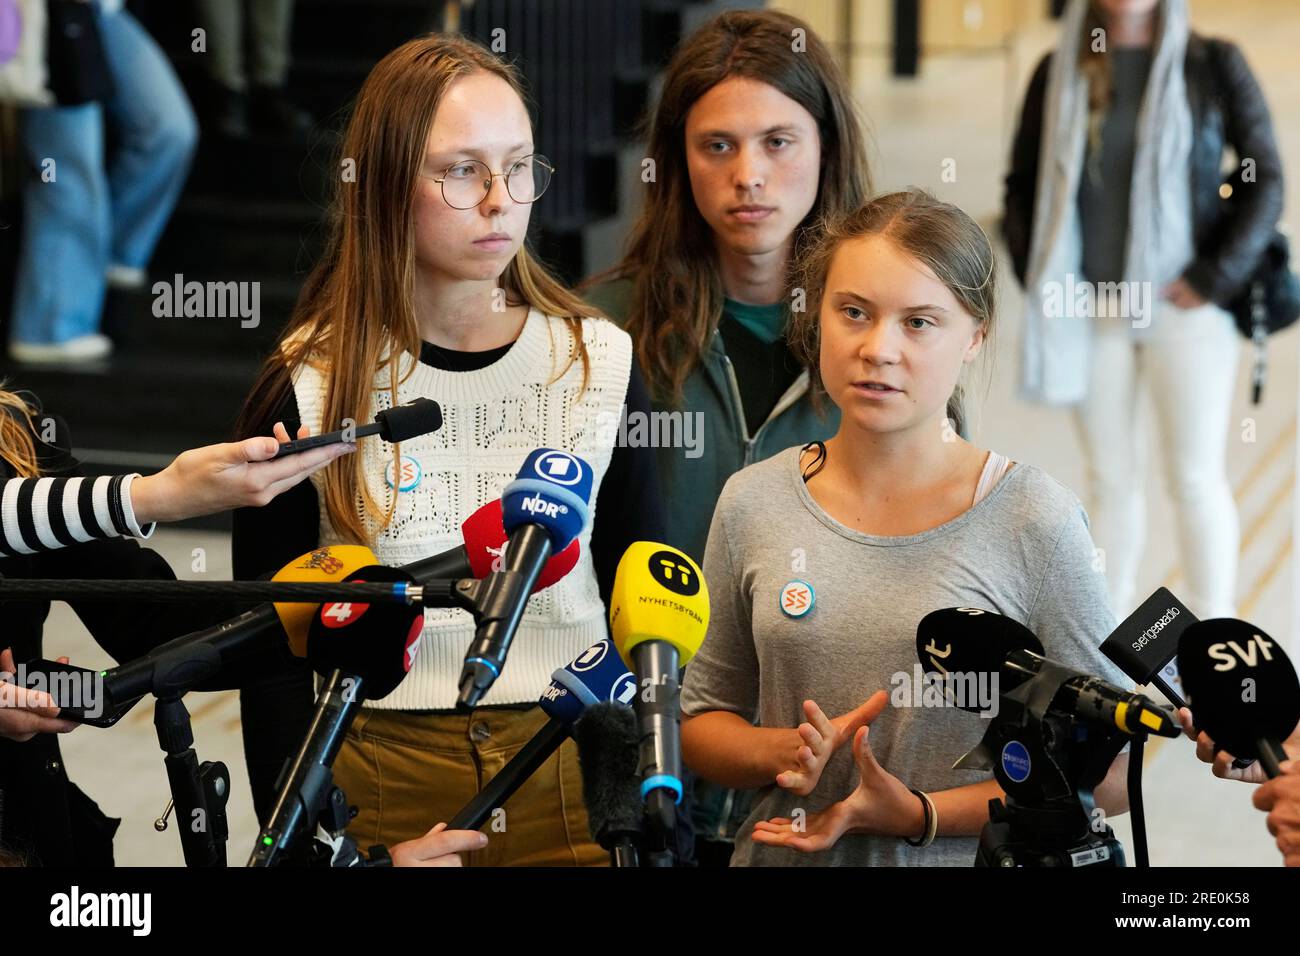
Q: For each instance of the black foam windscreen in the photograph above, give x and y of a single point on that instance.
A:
(376, 642)
(607, 739)
(418, 417)
(968, 640)
(1240, 684)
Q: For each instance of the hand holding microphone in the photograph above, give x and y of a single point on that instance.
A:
(438, 847)
(24, 713)
(1245, 698)
(1280, 798)
(217, 478)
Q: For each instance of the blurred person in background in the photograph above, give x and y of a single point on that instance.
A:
(247, 94)
(91, 217)
(1114, 182)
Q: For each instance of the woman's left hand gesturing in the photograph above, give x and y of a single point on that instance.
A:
(881, 804)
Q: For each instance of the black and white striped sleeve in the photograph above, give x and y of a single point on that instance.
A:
(42, 514)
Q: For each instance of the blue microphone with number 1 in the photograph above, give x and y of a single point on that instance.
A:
(543, 510)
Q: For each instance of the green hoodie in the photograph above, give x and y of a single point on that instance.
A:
(691, 478)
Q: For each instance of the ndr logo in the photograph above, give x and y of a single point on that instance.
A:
(538, 505)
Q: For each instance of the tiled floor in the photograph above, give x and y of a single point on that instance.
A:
(962, 109)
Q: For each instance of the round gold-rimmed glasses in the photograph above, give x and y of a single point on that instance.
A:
(467, 183)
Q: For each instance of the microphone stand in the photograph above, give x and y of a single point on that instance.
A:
(308, 791)
(199, 791)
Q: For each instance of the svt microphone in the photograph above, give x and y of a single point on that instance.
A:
(1241, 687)
(658, 616)
(543, 511)
(399, 423)
(972, 641)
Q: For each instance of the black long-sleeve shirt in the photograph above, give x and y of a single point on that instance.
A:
(46, 819)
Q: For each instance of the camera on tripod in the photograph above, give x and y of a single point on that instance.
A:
(1051, 742)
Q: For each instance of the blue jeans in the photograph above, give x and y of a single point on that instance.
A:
(93, 212)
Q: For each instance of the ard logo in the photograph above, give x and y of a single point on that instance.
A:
(322, 560)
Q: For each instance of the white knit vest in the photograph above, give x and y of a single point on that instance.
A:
(492, 419)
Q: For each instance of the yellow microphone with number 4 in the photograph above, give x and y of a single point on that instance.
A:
(333, 563)
(658, 615)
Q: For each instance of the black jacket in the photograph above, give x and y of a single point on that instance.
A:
(1228, 110)
(44, 817)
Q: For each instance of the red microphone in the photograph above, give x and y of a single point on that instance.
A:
(485, 538)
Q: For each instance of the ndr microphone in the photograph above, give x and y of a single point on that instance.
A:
(596, 676)
(543, 511)
(1241, 687)
(658, 615)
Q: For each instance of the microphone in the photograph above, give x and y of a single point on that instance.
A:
(595, 676)
(962, 643)
(1145, 644)
(484, 535)
(543, 511)
(658, 616)
(376, 643)
(607, 751)
(1242, 688)
(399, 423)
(365, 650)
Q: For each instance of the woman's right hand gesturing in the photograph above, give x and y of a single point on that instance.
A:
(820, 737)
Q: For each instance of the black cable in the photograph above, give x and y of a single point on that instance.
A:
(1135, 810)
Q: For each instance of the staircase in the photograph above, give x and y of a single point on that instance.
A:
(253, 210)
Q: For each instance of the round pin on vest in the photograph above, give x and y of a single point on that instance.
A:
(411, 474)
(797, 598)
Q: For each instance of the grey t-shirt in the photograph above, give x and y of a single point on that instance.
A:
(1023, 551)
(1106, 183)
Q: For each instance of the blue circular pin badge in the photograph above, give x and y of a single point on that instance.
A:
(1015, 761)
(411, 474)
(797, 598)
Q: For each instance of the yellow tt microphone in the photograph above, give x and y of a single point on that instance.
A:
(659, 595)
(658, 615)
(332, 563)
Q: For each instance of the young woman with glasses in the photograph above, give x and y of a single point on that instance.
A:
(427, 288)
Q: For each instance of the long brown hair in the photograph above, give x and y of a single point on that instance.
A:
(16, 445)
(355, 314)
(937, 234)
(677, 292)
